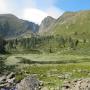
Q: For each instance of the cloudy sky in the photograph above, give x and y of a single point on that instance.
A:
(37, 10)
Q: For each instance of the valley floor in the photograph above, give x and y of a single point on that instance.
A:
(51, 69)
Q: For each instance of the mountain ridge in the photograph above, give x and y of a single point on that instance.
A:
(70, 22)
(11, 26)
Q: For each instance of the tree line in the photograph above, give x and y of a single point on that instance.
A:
(35, 42)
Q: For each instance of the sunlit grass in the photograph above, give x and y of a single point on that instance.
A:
(13, 59)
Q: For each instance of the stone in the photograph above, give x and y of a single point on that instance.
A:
(79, 84)
(11, 75)
(28, 83)
(45, 88)
(41, 83)
(2, 79)
(10, 80)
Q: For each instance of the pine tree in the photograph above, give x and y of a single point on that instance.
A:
(2, 45)
(2, 65)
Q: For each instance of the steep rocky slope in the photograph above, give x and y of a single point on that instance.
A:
(46, 24)
(12, 27)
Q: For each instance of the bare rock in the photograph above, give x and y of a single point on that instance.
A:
(11, 75)
(28, 83)
(80, 84)
(2, 79)
(12, 80)
(7, 82)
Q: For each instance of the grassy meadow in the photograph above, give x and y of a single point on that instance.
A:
(51, 69)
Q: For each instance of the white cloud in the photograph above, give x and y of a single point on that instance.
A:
(32, 10)
(34, 15)
(6, 7)
(54, 12)
(46, 9)
(3, 6)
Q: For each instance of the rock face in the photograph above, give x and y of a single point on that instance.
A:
(12, 27)
(46, 24)
(28, 83)
(81, 84)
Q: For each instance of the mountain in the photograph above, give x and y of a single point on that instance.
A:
(69, 32)
(12, 27)
(71, 23)
(46, 24)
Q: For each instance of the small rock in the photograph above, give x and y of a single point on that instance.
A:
(10, 80)
(2, 79)
(45, 88)
(11, 75)
(41, 83)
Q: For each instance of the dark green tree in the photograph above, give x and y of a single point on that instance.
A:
(2, 45)
(2, 65)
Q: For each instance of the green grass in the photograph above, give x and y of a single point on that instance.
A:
(53, 75)
(50, 74)
(14, 59)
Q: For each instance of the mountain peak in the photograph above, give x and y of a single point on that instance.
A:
(46, 24)
(48, 19)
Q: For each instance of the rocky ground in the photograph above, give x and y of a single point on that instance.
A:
(28, 83)
(8, 82)
(79, 84)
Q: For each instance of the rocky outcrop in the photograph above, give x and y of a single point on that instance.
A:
(8, 82)
(80, 84)
(28, 83)
(46, 24)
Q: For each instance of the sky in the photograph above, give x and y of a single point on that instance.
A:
(37, 10)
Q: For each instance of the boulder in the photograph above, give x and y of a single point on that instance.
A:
(28, 83)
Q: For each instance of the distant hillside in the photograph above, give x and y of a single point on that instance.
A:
(72, 23)
(12, 27)
(70, 29)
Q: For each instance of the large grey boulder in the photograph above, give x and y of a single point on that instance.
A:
(28, 83)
